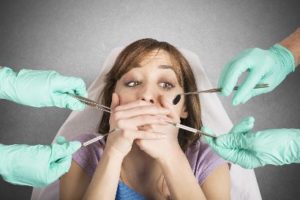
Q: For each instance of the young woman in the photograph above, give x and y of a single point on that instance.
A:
(144, 156)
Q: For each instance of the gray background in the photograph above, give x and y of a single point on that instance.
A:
(74, 37)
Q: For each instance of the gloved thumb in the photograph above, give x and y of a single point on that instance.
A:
(66, 101)
(244, 126)
(235, 138)
(75, 145)
(59, 168)
(59, 151)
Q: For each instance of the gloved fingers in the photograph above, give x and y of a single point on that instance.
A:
(255, 92)
(66, 101)
(63, 161)
(66, 84)
(59, 168)
(221, 145)
(60, 151)
(221, 82)
(248, 159)
(77, 85)
(247, 87)
(231, 141)
(259, 91)
(73, 103)
(242, 157)
(61, 85)
(244, 126)
(226, 153)
(235, 138)
(231, 74)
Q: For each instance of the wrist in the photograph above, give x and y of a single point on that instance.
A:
(285, 57)
(173, 157)
(111, 153)
(292, 43)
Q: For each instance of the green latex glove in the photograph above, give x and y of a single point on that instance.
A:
(41, 88)
(264, 66)
(251, 150)
(37, 165)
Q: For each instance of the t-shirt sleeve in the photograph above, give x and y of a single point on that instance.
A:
(88, 157)
(203, 161)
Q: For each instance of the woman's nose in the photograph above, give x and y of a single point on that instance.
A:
(148, 94)
(149, 100)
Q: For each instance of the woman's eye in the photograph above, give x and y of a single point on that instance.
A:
(166, 85)
(132, 83)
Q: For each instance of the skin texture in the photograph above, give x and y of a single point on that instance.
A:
(145, 153)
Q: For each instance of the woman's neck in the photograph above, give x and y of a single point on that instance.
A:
(138, 160)
(142, 173)
(139, 167)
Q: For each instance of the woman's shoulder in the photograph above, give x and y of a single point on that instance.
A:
(199, 149)
(88, 157)
(203, 159)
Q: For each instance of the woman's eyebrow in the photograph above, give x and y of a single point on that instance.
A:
(160, 67)
(166, 67)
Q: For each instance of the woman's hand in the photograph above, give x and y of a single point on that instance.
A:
(163, 148)
(126, 119)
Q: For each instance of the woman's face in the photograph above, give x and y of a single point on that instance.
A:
(153, 78)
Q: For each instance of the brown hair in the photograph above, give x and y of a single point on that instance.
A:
(132, 55)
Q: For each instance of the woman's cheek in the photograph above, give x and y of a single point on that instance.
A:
(125, 99)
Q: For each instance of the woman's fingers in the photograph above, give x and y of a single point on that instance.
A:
(140, 110)
(131, 135)
(139, 113)
(115, 101)
(132, 105)
(172, 113)
(134, 122)
(145, 135)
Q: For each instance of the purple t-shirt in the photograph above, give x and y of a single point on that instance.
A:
(200, 156)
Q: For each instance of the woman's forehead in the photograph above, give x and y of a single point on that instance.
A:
(156, 56)
(157, 59)
(150, 68)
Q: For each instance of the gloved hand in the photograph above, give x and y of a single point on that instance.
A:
(37, 165)
(251, 150)
(264, 66)
(41, 88)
